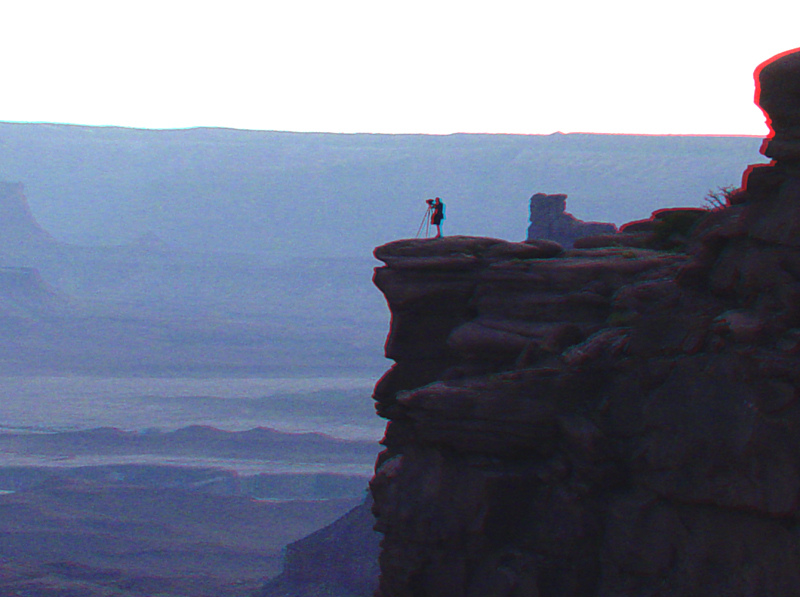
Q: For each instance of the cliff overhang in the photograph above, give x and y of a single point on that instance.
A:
(598, 421)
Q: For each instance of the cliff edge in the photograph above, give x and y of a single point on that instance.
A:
(601, 421)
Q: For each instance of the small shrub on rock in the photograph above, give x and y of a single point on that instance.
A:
(721, 198)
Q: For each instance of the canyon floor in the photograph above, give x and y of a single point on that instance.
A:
(76, 537)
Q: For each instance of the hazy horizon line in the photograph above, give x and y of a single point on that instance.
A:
(417, 134)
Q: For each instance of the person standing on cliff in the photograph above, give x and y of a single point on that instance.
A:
(437, 215)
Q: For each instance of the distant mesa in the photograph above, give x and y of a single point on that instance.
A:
(550, 221)
(24, 287)
(23, 290)
(19, 229)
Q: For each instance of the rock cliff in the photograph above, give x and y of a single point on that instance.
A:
(339, 560)
(601, 421)
(20, 228)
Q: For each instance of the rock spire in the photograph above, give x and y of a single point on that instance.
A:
(550, 221)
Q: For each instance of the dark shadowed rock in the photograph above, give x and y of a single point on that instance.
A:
(778, 94)
(608, 421)
(339, 560)
(777, 221)
(666, 229)
(638, 240)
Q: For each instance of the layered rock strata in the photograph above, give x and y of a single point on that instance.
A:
(598, 422)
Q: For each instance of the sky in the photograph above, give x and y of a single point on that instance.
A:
(432, 66)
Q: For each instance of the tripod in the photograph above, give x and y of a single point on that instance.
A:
(426, 221)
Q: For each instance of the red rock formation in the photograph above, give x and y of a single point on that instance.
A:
(550, 221)
(599, 422)
(778, 94)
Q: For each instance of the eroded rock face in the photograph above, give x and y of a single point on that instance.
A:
(778, 94)
(19, 228)
(599, 421)
(550, 221)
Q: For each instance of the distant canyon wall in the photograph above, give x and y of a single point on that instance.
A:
(289, 195)
(19, 228)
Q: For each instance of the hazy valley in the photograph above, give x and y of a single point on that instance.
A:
(184, 313)
(172, 486)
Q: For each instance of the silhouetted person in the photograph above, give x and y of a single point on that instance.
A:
(437, 215)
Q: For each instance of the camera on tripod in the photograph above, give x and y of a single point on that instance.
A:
(433, 217)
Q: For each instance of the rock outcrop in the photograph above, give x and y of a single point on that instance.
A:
(778, 94)
(612, 421)
(664, 230)
(550, 221)
(339, 560)
(20, 228)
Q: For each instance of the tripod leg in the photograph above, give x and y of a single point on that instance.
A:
(425, 218)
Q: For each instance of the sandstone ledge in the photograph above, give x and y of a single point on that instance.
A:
(608, 421)
(547, 407)
(460, 252)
